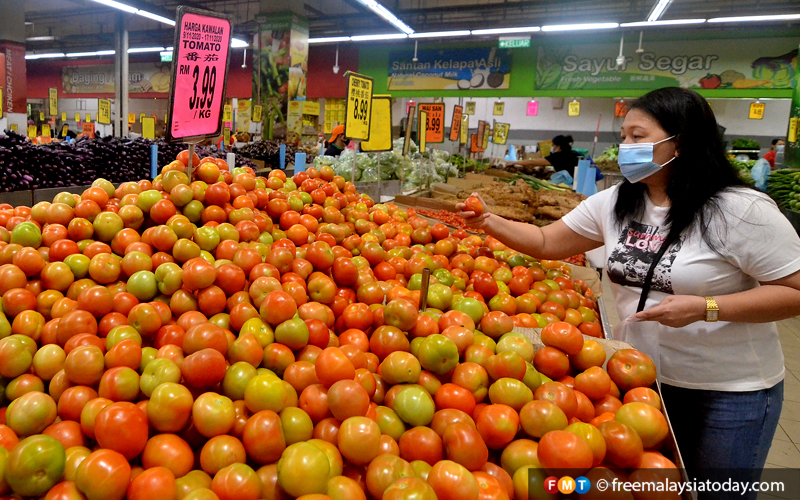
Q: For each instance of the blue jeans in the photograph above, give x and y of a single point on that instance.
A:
(723, 430)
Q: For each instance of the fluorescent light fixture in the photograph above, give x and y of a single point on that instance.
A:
(779, 17)
(437, 34)
(47, 38)
(91, 54)
(386, 14)
(671, 22)
(165, 53)
(52, 55)
(658, 9)
(156, 17)
(367, 38)
(329, 39)
(578, 27)
(135, 50)
(501, 31)
(118, 5)
(238, 44)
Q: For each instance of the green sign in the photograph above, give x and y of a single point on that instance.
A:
(166, 57)
(515, 43)
(761, 63)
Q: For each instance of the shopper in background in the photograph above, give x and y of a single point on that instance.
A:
(561, 156)
(770, 156)
(723, 243)
(337, 143)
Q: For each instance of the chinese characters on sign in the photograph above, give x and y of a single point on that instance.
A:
(358, 110)
(756, 111)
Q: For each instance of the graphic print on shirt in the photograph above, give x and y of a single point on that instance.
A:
(633, 254)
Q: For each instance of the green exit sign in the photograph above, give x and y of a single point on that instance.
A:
(515, 43)
(166, 57)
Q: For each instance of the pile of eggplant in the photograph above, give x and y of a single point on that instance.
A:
(26, 166)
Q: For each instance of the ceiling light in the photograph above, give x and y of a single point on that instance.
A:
(118, 5)
(658, 9)
(48, 38)
(145, 49)
(329, 39)
(44, 56)
(367, 38)
(780, 17)
(156, 17)
(91, 54)
(437, 34)
(501, 31)
(671, 22)
(383, 12)
(577, 27)
(238, 44)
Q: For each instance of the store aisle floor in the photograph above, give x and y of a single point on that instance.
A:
(785, 451)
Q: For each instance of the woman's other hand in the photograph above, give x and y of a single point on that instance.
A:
(676, 311)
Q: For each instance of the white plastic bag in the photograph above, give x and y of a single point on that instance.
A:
(760, 174)
(644, 335)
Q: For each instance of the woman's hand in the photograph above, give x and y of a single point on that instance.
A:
(676, 311)
(474, 221)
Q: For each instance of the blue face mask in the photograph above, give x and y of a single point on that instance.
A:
(636, 160)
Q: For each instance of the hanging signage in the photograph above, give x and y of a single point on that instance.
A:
(199, 74)
(761, 63)
(148, 127)
(464, 129)
(412, 112)
(510, 42)
(131, 118)
(53, 101)
(149, 77)
(64, 130)
(473, 147)
(104, 111)
(462, 69)
(14, 128)
(481, 133)
(486, 135)
(499, 108)
(455, 123)
(380, 133)
(78, 117)
(434, 127)
(88, 118)
(533, 108)
(1, 102)
(41, 116)
(470, 109)
(574, 108)
(358, 106)
(88, 129)
(423, 118)
(756, 111)
(45, 130)
(501, 133)
(257, 110)
(227, 113)
(311, 108)
(141, 117)
(31, 131)
(226, 136)
(620, 109)
(63, 116)
(794, 125)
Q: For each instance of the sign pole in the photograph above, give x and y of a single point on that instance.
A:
(353, 175)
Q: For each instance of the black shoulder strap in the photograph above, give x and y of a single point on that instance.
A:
(648, 280)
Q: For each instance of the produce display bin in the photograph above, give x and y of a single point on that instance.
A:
(17, 198)
(670, 447)
(49, 193)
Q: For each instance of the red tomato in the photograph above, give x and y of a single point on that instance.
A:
(122, 427)
(451, 481)
(629, 368)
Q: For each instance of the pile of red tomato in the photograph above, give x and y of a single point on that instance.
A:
(240, 337)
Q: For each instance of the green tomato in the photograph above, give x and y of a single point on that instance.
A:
(26, 234)
(414, 406)
(35, 465)
(438, 354)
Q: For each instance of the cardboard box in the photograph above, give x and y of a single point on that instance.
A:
(670, 446)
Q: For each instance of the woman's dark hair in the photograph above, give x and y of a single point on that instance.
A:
(699, 173)
(564, 142)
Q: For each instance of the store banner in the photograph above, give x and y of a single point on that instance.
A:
(450, 69)
(754, 63)
(13, 76)
(243, 115)
(99, 79)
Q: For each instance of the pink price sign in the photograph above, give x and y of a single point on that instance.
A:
(533, 108)
(199, 73)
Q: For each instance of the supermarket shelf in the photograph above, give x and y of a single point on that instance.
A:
(601, 308)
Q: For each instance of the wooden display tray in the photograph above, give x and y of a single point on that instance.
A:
(670, 446)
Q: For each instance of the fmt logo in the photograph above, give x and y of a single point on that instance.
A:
(567, 485)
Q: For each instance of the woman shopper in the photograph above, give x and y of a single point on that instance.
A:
(561, 156)
(724, 265)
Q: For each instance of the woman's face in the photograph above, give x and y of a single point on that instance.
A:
(641, 127)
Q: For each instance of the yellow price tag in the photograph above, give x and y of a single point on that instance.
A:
(41, 116)
(423, 119)
(104, 111)
(227, 113)
(464, 129)
(32, 131)
(14, 128)
(257, 111)
(148, 127)
(45, 130)
(88, 118)
(574, 108)
(470, 108)
(77, 117)
(226, 136)
(486, 134)
(794, 125)
(131, 117)
(499, 108)
(756, 111)
(53, 93)
(358, 111)
(501, 133)
(63, 117)
(141, 117)
(380, 134)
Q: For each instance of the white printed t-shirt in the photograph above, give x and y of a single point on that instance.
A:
(757, 243)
